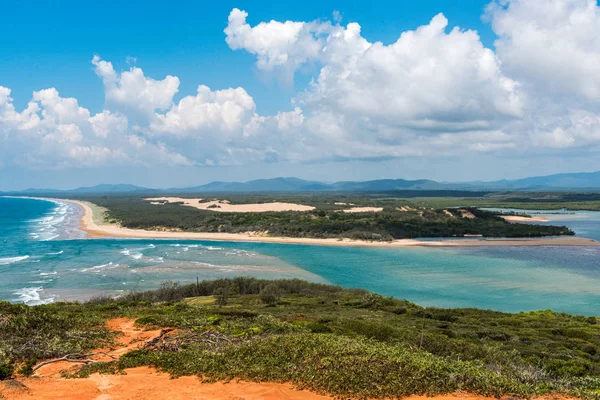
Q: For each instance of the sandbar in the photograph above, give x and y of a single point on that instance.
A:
(95, 227)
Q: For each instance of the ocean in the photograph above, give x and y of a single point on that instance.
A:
(44, 257)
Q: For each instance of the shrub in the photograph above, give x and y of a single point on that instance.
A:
(27, 369)
(590, 349)
(6, 370)
(270, 294)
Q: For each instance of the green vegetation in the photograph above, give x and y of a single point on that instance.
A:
(343, 342)
(522, 200)
(399, 219)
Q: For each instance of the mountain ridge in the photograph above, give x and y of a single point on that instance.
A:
(581, 181)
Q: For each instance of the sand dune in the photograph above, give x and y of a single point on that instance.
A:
(225, 206)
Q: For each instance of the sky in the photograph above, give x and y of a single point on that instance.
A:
(171, 95)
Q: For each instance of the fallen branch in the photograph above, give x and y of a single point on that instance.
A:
(74, 358)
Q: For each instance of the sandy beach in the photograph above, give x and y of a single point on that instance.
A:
(518, 218)
(95, 227)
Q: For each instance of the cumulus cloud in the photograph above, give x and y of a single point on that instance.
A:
(552, 44)
(55, 132)
(383, 97)
(131, 91)
(427, 78)
(221, 111)
(284, 45)
(553, 48)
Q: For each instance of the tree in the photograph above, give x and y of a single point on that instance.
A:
(270, 294)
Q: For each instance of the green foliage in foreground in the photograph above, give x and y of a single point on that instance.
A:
(338, 341)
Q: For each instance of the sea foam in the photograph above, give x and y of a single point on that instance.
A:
(32, 296)
(10, 260)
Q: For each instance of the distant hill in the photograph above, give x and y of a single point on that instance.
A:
(259, 185)
(584, 181)
(112, 189)
(98, 189)
(581, 180)
(385, 185)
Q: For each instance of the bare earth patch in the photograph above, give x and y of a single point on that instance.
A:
(363, 209)
(467, 214)
(225, 206)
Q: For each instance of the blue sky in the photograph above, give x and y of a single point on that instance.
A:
(507, 129)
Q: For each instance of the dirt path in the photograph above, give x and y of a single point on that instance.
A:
(146, 383)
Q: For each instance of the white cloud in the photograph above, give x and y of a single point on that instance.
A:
(552, 44)
(284, 45)
(131, 91)
(553, 48)
(219, 112)
(55, 132)
(378, 98)
(107, 124)
(445, 81)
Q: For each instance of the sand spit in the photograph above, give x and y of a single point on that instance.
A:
(95, 229)
(225, 206)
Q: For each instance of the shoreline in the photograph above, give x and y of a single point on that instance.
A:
(97, 229)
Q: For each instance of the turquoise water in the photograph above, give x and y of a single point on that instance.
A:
(40, 262)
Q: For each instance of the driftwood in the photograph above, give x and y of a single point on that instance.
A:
(74, 358)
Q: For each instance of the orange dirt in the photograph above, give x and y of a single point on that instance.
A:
(146, 383)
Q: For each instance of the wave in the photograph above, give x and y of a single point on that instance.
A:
(32, 296)
(125, 252)
(10, 260)
(242, 253)
(151, 246)
(136, 256)
(110, 265)
(55, 254)
(48, 273)
(62, 221)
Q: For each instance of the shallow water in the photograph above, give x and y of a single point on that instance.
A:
(39, 263)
